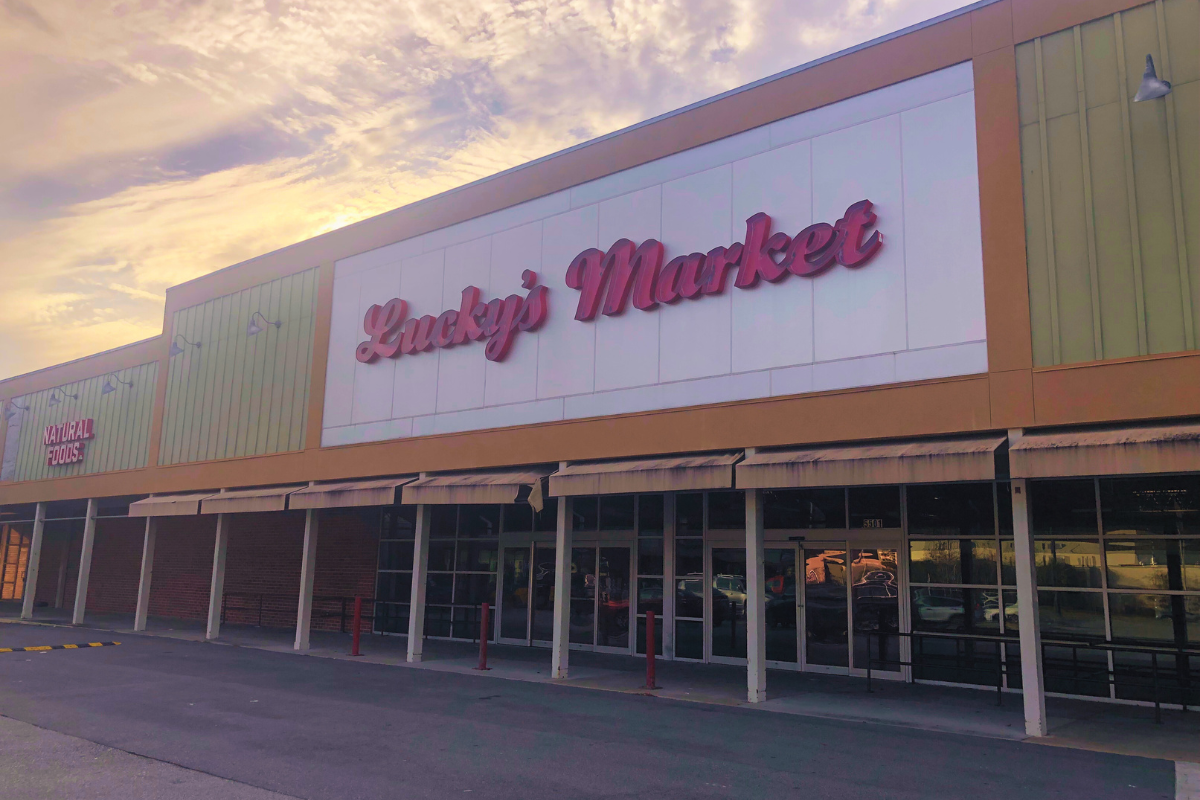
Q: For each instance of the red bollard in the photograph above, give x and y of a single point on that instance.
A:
(357, 626)
(483, 639)
(650, 651)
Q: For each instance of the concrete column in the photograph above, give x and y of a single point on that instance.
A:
(756, 612)
(217, 592)
(143, 596)
(416, 605)
(562, 591)
(85, 563)
(60, 594)
(31, 564)
(1033, 687)
(308, 569)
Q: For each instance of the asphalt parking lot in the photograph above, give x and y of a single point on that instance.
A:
(258, 722)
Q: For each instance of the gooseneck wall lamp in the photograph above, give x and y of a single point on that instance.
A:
(56, 399)
(176, 349)
(253, 328)
(11, 409)
(108, 387)
(1152, 86)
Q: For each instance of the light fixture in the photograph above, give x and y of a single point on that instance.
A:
(1152, 87)
(108, 387)
(55, 399)
(11, 410)
(176, 349)
(253, 329)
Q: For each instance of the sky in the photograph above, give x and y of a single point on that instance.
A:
(146, 143)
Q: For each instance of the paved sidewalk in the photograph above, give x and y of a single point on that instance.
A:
(1097, 726)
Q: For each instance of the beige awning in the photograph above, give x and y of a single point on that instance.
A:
(680, 474)
(928, 461)
(168, 505)
(1111, 451)
(472, 487)
(348, 494)
(242, 501)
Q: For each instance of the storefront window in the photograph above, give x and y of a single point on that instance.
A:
(953, 509)
(1071, 563)
(1071, 615)
(1151, 563)
(874, 506)
(801, 509)
(1063, 508)
(1150, 618)
(463, 569)
(650, 514)
(689, 514)
(1161, 505)
(585, 513)
(393, 587)
(726, 510)
(617, 512)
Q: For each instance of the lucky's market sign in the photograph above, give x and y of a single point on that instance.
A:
(608, 281)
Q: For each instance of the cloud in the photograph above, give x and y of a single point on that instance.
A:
(160, 141)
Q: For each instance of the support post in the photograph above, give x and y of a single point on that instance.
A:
(416, 606)
(308, 566)
(1032, 685)
(143, 596)
(60, 595)
(756, 623)
(562, 591)
(216, 593)
(85, 563)
(34, 559)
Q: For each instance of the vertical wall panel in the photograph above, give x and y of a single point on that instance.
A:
(237, 394)
(1111, 186)
(122, 424)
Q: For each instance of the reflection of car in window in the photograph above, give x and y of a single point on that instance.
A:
(689, 600)
(938, 609)
(734, 588)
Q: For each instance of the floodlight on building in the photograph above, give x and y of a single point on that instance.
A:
(253, 329)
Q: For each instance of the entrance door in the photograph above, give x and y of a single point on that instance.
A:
(601, 582)
(728, 603)
(851, 603)
(527, 594)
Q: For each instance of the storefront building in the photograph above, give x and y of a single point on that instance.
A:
(889, 362)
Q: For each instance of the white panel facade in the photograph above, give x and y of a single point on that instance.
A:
(913, 312)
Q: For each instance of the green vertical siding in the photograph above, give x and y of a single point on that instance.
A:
(239, 395)
(1112, 187)
(122, 424)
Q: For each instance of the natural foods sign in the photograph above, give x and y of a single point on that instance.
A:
(66, 441)
(608, 280)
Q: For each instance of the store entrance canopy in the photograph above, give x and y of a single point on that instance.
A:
(1111, 451)
(242, 501)
(473, 487)
(349, 494)
(168, 505)
(681, 474)
(928, 461)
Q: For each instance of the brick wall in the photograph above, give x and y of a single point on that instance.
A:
(116, 566)
(183, 551)
(347, 554)
(263, 563)
(61, 540)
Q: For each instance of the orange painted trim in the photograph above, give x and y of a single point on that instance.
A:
(1156, 387)
(1002, 212)
(906, 410)
(1033, 18)
(322, 327)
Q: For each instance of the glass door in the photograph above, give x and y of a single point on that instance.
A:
(851, 604)
(781, 598)
(601, 580)
(875, 607)
(826, 609)
(527, 594)
(727, 638)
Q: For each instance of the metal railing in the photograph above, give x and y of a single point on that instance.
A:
(283, 605)
(1109, 672)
